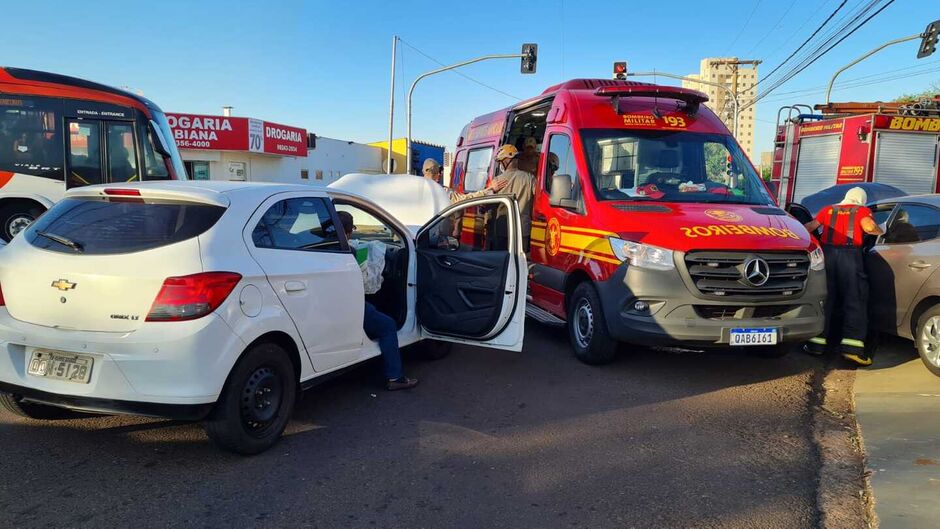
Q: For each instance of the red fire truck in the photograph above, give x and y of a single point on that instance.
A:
(842, 143)
(649, 224)
(59, 132)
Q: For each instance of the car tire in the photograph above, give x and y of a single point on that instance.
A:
(15, 217)
(433, 350)
(927, 339)
(256, 403)
(587, 328)
(770, 351)
(17, 406)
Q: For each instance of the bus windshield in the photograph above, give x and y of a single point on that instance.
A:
(671, 167)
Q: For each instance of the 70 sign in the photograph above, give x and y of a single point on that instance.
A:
(255, 135)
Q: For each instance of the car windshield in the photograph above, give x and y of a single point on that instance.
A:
(671, 167)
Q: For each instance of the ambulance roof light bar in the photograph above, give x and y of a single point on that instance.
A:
(692, 98)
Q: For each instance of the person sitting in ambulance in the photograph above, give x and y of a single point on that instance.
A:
(529, 157)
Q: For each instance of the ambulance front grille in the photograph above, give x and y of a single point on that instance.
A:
(722, 274)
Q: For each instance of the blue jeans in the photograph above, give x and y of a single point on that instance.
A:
(382, 328)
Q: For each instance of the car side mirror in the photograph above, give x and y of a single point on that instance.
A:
(560, 196)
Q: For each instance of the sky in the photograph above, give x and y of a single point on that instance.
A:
(326, 65)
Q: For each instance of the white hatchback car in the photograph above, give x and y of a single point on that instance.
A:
(220, 301)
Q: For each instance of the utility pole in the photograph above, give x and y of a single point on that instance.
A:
(391, 107)
(734, 63)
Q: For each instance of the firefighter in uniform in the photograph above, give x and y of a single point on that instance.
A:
(521, 185)
(843, 229)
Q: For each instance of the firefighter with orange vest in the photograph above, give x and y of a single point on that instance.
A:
(844, 226)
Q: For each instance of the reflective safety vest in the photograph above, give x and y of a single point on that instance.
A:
(842, 225)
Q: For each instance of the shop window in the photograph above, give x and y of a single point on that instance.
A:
(304, 174)
(319, 174)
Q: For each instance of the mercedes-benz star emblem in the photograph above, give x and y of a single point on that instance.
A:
(756, 271)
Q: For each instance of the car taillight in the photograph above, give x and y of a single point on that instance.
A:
(3, 302)
(190, 297)
(121, 192)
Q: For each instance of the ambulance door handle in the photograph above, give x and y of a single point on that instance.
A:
(919, 265)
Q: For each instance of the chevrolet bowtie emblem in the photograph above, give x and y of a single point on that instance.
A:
(64, 284)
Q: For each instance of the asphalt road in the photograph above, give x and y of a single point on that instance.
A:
(489, 439)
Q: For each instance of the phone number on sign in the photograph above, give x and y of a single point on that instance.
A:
(183, 144)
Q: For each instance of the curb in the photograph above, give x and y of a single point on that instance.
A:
(844, 495)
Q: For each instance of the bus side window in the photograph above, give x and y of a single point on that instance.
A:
(154, 165)
(30, 138)
(84, 153)
(122, 153)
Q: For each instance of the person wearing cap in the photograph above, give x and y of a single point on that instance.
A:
(529, 157)
(844, 226)
(381, 328)
(518, 183)
(432, 171)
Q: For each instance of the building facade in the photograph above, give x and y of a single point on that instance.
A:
(253, 150)
(741, 77)
(420, 151)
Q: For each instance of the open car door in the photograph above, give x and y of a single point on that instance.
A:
(470, 274)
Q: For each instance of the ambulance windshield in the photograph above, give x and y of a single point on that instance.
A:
(671, 167)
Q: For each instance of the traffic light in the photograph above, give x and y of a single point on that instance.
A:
(928, 43)
(529, 57)
(620, 70)
(729, 170)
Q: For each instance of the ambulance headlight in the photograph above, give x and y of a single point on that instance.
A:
(816, 260)
(642, 255)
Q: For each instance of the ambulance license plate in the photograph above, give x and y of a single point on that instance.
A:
(60, 365)
(766, 336)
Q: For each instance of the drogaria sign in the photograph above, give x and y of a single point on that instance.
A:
(221, 133)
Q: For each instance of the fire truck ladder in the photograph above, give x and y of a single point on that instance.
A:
(789, 117)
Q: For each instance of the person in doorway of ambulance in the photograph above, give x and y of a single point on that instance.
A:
(432, 171)
(844, 226)
(380, 327)
(529, 158)
(518, 183)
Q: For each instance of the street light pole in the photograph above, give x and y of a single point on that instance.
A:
(439, 70)
(391, 107)
(867, 55)
(731, 94)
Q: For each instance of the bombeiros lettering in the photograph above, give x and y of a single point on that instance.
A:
(915, 124)
(738, 229)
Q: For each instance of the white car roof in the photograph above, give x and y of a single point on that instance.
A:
(413, 200)
(209, 192)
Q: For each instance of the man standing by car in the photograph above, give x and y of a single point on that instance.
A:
(843, 229)
(383, 329)
(519, 184)
(432, 171)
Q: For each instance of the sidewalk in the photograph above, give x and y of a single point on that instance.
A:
(897, 404)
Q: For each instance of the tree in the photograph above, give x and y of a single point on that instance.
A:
(766, 172)
(930, 93)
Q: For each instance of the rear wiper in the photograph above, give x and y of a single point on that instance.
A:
(64, 241)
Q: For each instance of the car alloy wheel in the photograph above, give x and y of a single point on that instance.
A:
(930, 340)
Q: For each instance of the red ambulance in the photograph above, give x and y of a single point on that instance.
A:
(649, 223)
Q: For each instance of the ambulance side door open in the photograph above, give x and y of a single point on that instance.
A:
(472, 293)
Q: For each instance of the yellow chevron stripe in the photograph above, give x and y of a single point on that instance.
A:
(589, 257)
(588, 230)
(537, 233)
(538, 223)
(586, 242)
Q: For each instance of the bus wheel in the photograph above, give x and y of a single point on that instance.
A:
(587, 328)
(16, 217)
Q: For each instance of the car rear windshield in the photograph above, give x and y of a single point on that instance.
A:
(101, 227)
(671, 167)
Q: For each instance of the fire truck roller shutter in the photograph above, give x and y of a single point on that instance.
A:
(817, 165)
(907, 161)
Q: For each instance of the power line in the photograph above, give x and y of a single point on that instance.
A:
(879, 78)
(465, 76)
(817, 55)
(743, 27)
(851, 84)
(804, 42)
(768, 33)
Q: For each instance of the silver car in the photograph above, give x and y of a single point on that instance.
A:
(902, 267)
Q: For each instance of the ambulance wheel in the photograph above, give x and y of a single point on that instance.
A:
(587, 328)
(31, 410)
(256, 403)
(927, 339)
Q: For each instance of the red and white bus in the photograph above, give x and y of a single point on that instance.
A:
(59, 132)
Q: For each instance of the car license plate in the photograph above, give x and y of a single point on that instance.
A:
(753, 337)
(60, 365)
